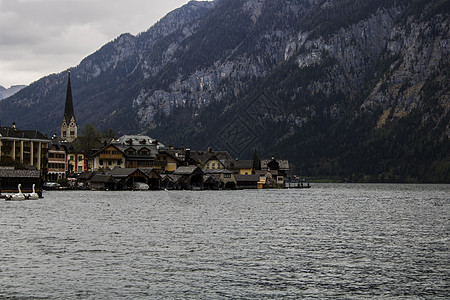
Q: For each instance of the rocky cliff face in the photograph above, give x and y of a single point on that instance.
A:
(320, 82)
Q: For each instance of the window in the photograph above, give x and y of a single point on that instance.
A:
(80, 157)
(227, 175)
(80, 169)
(109, 163)
(101, 162)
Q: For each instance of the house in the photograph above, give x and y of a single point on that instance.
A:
(165, 161)
(278, 169)
(211, 182)
(10, 179)
(108, 157)
(224, 178)
(139, 150)
(27, 147)
(57, 160)
(202, 158)
(102, 182)
(77, 157)
(167, 182)
(191, 177)
(214, 163)
(247, 181)
(174, 182)
(242, 167)
(84, 179)
(155, 178)
(181, 154)
(126, 177)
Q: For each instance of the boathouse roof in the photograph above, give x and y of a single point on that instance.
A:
(10, 172)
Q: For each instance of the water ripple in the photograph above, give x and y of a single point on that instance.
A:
(331, 241)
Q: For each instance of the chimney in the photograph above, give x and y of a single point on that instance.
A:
(14, 125)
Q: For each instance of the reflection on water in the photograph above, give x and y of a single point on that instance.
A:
(336, 241)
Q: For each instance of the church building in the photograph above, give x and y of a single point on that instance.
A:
(69, 124)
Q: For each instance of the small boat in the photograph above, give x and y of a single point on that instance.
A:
(16, 197)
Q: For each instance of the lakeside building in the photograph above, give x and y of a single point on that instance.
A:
(27, 147)
(72, 157)
(11, 178)
(57, 160)
(128, 151)
(276, 170)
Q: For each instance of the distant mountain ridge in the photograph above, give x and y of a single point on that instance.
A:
(7, 92)
(351, 88)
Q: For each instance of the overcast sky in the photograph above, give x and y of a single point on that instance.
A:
(41, 37)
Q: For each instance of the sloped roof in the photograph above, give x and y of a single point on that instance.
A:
(204, 156)
(102, 178)
(122, 172)
(150, 171)
(137, 140)
(246, 178)
(174, 177)
(8, 172)
(188, 170)
(217, 171)
(105, 147)
(10, 132)
(151, 147)
(211, 178)
(239, 164)
(87, 175)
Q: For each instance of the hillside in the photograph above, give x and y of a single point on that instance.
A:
(351, 88)
(7, 92)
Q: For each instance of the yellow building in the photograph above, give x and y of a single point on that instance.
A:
(77, 162)
(166, 162)
(108, 157)
(29, 147)
(213, 163)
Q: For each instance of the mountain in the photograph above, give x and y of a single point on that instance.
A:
(357, 89)
(7, 92)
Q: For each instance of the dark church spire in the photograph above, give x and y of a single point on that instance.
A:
(68, 110)
(69, 125)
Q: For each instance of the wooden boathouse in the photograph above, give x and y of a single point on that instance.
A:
(11, 178)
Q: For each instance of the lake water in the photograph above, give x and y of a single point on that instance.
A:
(348, 241)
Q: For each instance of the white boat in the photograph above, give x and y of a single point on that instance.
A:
(140, 186)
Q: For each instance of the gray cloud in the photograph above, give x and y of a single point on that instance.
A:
(40, 37)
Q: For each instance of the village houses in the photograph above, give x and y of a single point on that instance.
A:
(132, 161)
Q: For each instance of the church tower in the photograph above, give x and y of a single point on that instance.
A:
(69, 125)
